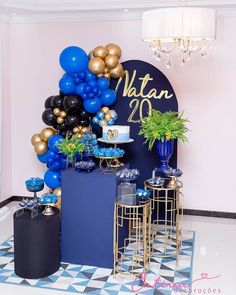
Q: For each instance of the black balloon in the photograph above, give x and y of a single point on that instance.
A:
(83, 115)
(71, 121)
(61, 127)
(62, 95)
(48, 102)
(68, 133)
(49, 118)
(84, 123)
(57, 102)
(72, 103)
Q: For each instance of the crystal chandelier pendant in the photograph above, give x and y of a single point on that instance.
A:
(179, 32)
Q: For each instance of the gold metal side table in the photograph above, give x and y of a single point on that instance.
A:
(166, 233)
(132, 254)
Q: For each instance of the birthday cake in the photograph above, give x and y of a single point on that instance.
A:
(116, 133)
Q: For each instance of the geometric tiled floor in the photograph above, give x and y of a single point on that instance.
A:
(162, 278)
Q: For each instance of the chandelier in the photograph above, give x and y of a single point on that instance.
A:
(179, 32)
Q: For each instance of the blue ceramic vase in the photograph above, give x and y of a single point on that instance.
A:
(164, 151)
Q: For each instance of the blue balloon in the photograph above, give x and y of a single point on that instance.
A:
(80, 89)
(51, 154)
(43, 158)
(100, 115)
(95, 120)
(92, 84)
(63, 163)
(87, 89)
(73, 59)
(108, 97)
(52, 142)
(90, 76)
(92, 105)
(56, 166)
(103, 83)
(50, 161)
(91, 95)
(52, 179)
(111, 122)
(67, 85)
(84, 96)
(82, 75)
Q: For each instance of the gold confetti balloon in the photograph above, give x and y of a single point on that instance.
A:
(60, 120)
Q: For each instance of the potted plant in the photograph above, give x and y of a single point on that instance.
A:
(162, 129)
(70, 147)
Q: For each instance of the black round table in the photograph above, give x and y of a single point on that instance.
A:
(36, 244)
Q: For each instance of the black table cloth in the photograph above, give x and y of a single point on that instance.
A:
(37, 244)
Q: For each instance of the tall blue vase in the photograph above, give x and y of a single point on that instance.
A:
(164, 151)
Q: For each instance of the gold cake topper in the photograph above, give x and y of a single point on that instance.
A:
(112, 134)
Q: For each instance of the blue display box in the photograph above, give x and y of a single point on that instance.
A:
(87, 217)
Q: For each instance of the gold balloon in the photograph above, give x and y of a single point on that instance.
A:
(91, 54)
(58, 203)
(106, 70)
(117, 72)
(111, 61)
(105, 110)
(80, 127)
(107, 75)
(100, 75)
(57, 191)
(108, 117)
(97, 65)
(100, 51)
(46, 133)
(41, 147)
(63, 114)
(84, 130)
(56, 111)
(114, 49)
(75, 129)
(60, 120)
(79, 135)
(35, 139)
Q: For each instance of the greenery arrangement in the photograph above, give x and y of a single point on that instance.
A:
(163, 126)
(70, 146)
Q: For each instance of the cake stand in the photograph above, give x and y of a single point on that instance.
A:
(109, 165)
(120, 164)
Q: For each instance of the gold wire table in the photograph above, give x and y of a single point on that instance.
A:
(132, 255)
(168, 229)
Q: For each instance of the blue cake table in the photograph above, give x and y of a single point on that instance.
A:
(87, 217)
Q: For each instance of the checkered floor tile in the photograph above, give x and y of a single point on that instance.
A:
(164, 277)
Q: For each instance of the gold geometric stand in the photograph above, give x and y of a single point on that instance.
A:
(132, 254)
(166, 227)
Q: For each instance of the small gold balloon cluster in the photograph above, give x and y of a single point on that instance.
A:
(61, 115)
(40, 140)
(57, 192)
(104, 61)
(80, 130)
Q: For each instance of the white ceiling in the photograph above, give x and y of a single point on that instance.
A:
(79, 10)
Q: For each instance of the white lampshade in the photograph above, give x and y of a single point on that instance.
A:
(167, 24)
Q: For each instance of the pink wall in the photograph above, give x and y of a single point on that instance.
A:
(205, 90)
(5, 115)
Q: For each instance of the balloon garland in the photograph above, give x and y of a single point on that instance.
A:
(84, 91)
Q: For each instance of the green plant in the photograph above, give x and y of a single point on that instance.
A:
(163, 126)
(70, 146)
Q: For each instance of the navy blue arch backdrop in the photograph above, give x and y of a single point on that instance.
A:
(143, 87)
